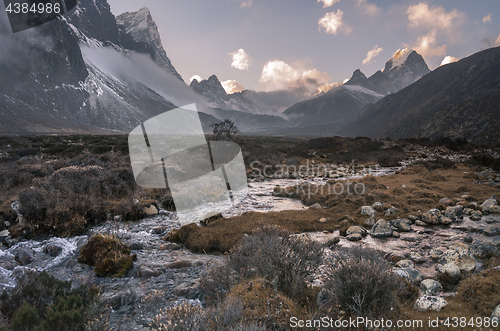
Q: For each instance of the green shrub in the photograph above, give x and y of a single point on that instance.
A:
(25, 318)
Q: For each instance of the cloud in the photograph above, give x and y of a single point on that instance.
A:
(328, 3)
(423, 16)
(277, 75)
(245, 3)
(241, 60)
(327, 87)
(232, 86)
(333, 23)
(372, 54)
(449, 59)
(497, 43)
(487, 19)
(427, 46)
(197, 77)
(367, 8)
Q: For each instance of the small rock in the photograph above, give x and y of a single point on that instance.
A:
(151, 210)
(24, 256)
(390, 212)
(496, 242)
(432, 216)
(431, 287)
(354, 237)
(158, 230)
(413, 218)
(446, 220)
(396, 234)
(476, 215)
(402, 224)
(378, 205)
(468, 239)
(356, 230)
(492, 230)
(468, 211)
(462, 258)
(420, 223)
(136, 246)
(368, 211)
(147, 272)
(315, 206)
(416, 257)
(405, 264)
(52, 250)
(170, 246)
(446, 201)
(381, 229)
(454, 212)
(426, 303)
(490, 205)
(450, 269)
(118, 218)
(411, 274)
(323, 220)
(369, 222)
(4, 233)
(435, 254)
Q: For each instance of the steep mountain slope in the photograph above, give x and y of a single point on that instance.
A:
(459, 99)
(339, 105)
(141, 26)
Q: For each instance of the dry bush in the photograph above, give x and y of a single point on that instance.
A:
(359, 281)
(180, 318)
(480, 293)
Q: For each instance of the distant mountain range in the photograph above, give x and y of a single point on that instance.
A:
(92, 72)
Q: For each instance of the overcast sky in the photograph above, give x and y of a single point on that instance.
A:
(281, 44)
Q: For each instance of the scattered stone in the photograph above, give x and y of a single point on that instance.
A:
(432, 216)
(450, 269)
(52, 250)
(381, 229)
(402, 224)
(411, 274)
(4, 233)
(412, 218)
(390, 212)
(426, 303)
(459, 245)
(315, 206)
(151, 210)
(354, 237)
(474, 205)
(476, 215)
(420, 223)
(323, 220)
(454, 212)
(368, 211)
(446, 201)
(446, 220)
(369, 222)
(490, 205)
(468, 211)
(468, 239)
(147, 272)
(462, 258)
(431, 287)
(24, 256)
(482, 250)
(396, 234)
(492, 230)
(496, 242)
(170, 246)
(405, 264)
(378, 205)
(435, 254)
(355, 229)
(416, 257)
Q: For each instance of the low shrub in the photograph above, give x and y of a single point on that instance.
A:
(185, 316)
(480, 293)
(360, 283)
(108, 254)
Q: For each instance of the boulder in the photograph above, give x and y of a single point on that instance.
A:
(492, 230)
(431, 287)
(24, 256)
(490, 205)
(151, 210)
(432, 216)
(454, 212)
(368, 211)
(449, 269)
(381, 229)
(462, 258)
(411, 274)
(426, 303)
(402, 224)
(482, 250)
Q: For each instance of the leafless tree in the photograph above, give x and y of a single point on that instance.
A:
(224, 130)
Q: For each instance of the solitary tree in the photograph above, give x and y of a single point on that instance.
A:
(224, 130)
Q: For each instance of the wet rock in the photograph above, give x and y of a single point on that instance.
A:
(24, 256)
(420, 223)
(496, 312)
(151, 210)
(492, 230)
(369, 222)
(454, 212)
(405, 264)
(323, 220)
(490, 205)
(158, 230)
(136, 246)
(390, 212)
(368, 211)
(426, 303)
(354, 237)
(482, 250)
(435, 254)
(356, 230)
(431, 287)
(402, 224)
(52, 250)
(4, 233)
(411, 274)
(432, 216)
(449, 269)
(462, 258)
(381, 229)
(145, 271)
(446, 220)
(170, 246)
(476, 215)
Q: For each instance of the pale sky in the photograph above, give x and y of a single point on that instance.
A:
(280, 44)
